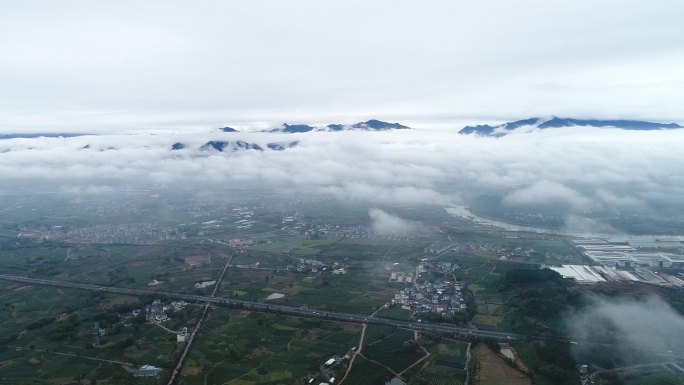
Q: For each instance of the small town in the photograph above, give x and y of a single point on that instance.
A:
(438, 296)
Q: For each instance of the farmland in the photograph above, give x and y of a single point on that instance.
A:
(252, 348)
(320, 257)
(491, 369)
(45, 329)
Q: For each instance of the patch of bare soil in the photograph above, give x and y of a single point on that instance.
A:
(491, 369)
(197, 260)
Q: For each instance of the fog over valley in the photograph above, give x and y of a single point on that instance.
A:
(570, 172)
(342, 192)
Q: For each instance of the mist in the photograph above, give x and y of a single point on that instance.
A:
(386, 224)
(614, 331)
(574, 224)
(577, 172)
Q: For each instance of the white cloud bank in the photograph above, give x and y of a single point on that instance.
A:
(576, 169)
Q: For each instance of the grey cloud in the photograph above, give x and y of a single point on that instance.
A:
(547, 194)
(635, 329)
(575, 224)
(384, 223)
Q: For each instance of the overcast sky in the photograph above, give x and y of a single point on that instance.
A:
(128, 65)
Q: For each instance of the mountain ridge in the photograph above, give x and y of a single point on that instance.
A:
(369, 125)
(556, 122)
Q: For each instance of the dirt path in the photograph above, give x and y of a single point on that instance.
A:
(206, 376)
(359, 352)
(384, 366)
(356, 353)
(73, 355)
(467, 363)
(380, 308)
(164, 327)
(426, 356)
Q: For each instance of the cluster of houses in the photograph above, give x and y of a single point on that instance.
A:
(302, 265)
(323, 230)
(328, 369)
(439, 267)
(240, 242)
(440, 297)
(401, 277)
(503, 253)
(157, 311)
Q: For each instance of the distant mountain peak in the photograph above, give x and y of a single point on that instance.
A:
(291, 128)
(370, 125)
(281, 146)
(228, 129)
(556, 122)
(234, 146)
(223, 146)
(375, 124)
(39, 135)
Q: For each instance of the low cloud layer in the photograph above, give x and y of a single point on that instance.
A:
(384, 223)
(632, 330)
(576, 171)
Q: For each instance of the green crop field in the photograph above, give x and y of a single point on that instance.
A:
(447, 357)
(48, 336)
(257, 348)
(47, 333)
(397, 350)
(365, 372)
(654, 379)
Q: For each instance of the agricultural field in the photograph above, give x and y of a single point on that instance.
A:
(662, 378)
(171, 267)
(241, 347)
(551, 362)
(491, 369)
(447, 365)
(394, 312)
(48, 333)
(358, 291)
(397, 350)
(365, 372)
(246, 348)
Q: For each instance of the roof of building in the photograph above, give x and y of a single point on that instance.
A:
(147, 371)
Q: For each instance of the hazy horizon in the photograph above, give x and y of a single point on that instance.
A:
(91, 67)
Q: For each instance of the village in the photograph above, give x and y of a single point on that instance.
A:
(439, 296)
(303, 265)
